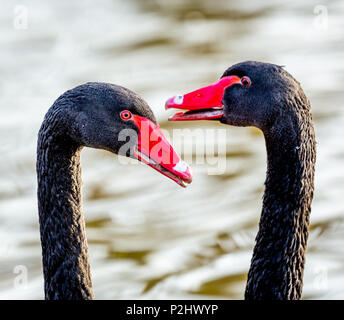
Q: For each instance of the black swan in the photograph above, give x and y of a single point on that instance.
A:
(266, 96)
(92, 115)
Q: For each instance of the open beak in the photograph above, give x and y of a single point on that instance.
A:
(201, 104)
(154, 149)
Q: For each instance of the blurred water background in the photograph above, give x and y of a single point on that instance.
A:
(149, 238)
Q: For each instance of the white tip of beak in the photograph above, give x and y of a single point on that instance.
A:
(181, 166)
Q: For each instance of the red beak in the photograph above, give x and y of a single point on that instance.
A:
(202, 104)
(154, 150)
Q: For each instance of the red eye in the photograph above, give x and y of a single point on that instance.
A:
(246, 81)
(126, 115)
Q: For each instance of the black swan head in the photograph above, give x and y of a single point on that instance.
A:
(113, 118)
(248, 94)
(266, 96)
(96, 115)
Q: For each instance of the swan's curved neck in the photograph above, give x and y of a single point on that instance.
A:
(278, 260)
(62, 227)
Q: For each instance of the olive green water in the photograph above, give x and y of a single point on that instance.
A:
(149, 238)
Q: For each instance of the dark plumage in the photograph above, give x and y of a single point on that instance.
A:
(278, 106)
(88, 115)
(275, 103)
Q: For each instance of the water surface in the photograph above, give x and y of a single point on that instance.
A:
(149, 238)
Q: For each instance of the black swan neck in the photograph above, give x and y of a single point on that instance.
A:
(278, 260)
(64, 246)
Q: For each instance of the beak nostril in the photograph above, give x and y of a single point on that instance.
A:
(178, 99)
